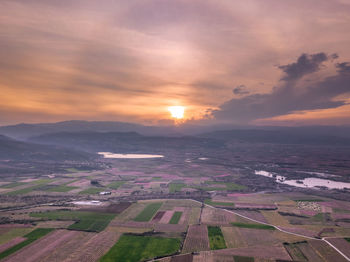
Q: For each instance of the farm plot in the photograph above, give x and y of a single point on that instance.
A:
(233, 237)
(148, 212)
(175, 187)
(9, 233)
(129, 214)
(253, 226)
(170, 228)
(295, 252)
(256, 215)
(134, 248)
(214, 203)
(217, 216)
(92, 190)
(11, 243)
(30, 237)
(175, 218)
(158, 216)
(216, 238)
(196, 239)
(116, 184)
(275, 219)
(86, 221)
(83, 246)
(276, 252)
(166, 217)
(326, 252)
(60, 188)
(194, 216)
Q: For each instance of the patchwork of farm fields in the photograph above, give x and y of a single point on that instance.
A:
(171, 230)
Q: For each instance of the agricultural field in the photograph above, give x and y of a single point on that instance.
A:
(252, 226)
(28, 239)
(216, 238)
(175, 218)
(134, 248)
(148, 212)
(86, 221)
(196, 239)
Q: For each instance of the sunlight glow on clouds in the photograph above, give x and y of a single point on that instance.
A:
(124, 60)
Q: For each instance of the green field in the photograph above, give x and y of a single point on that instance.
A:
(61, 188)
(116, 184)
(253, 226)
(216, 238)
(148, 212)
(133, 248)
(210, 202)
(175, 218)
(86, 221)
(13, 184)
(347, 239)
(24, 190)
(175, 187)
(13, 233)
(243, 259)
(92, 190)
(210, 186)
(31, 237)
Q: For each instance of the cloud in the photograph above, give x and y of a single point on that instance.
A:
(343, 68)
(240, 90)
(291, 95)
(305, 64)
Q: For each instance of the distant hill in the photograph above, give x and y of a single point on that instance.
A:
(282, 136)
(124, 142)
(271, 134)
(24, 131)
(11, 149)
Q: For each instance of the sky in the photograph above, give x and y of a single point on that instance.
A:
(253, 62)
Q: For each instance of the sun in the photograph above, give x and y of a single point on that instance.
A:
(177, 111)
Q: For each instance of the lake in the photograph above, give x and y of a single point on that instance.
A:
(128, 156)
(306, 182)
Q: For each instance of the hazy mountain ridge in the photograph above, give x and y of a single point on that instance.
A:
(11, 149)
(123, 141)
(277, 137)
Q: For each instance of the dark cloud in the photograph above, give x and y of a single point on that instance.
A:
(305, 64)
(291, 96)
(240, 90)
(343, 68)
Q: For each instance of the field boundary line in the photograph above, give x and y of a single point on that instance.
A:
(278, 228)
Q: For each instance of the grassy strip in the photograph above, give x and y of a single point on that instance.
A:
(61, 188)
(253, 226)
(175, 187)
(216, 238)
(116, 184)
(229, 185)
(86, 221)
(92, 190)
(24, 190)
(31, 237)
(175, 218)
(13, 184)
(347, 239)
(210, 202)
(243, 259)
(148, 212)
(133, 248)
